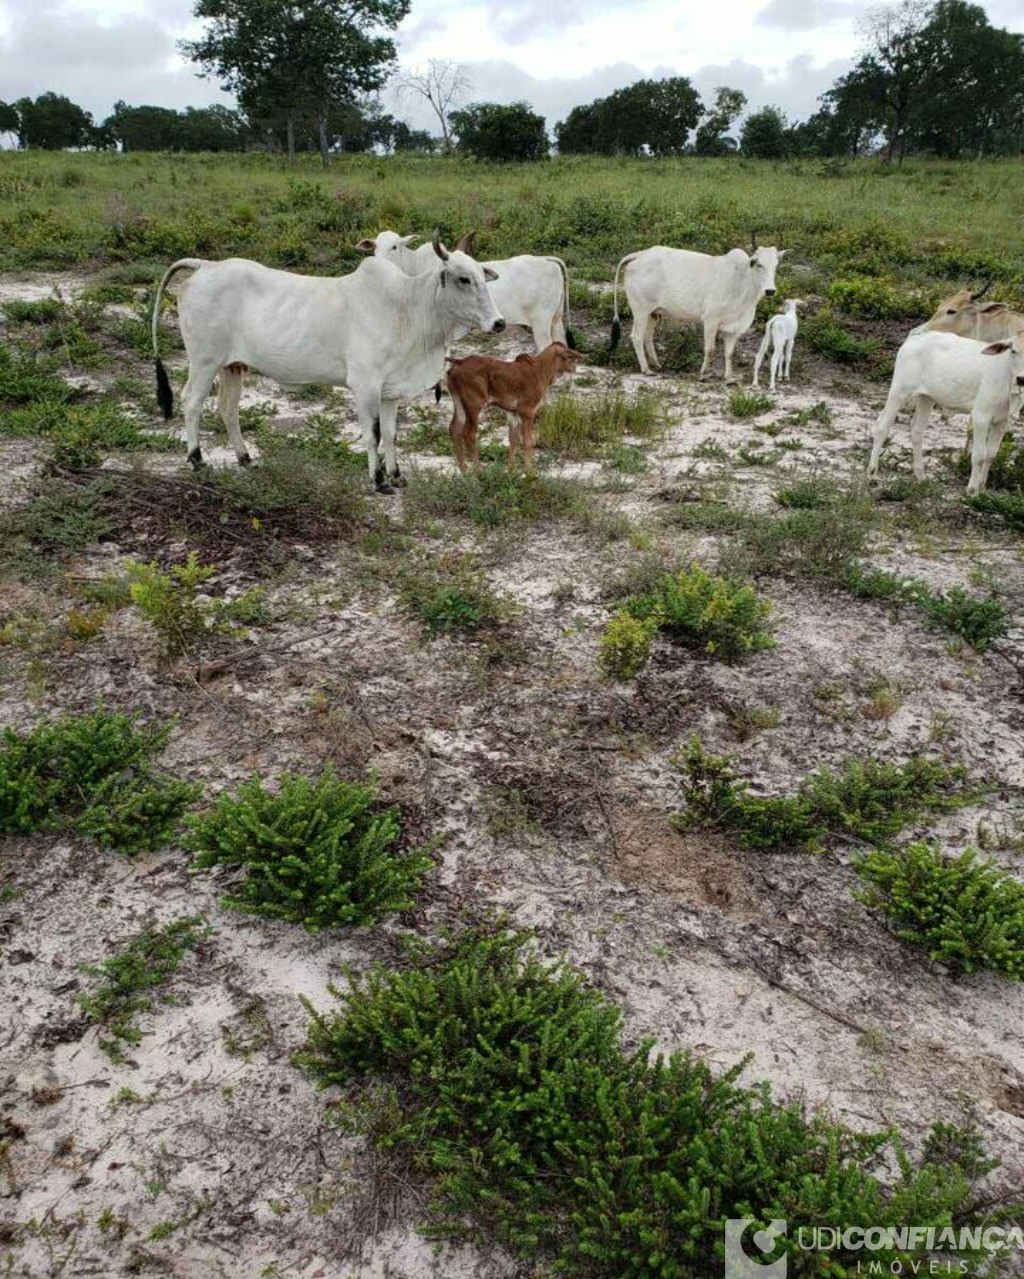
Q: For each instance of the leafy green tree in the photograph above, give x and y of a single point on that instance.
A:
(650, 117)
(404, 138)
(9, 119)
(491, 131)
(298, 60)
(711, 138)
(52, 122)
(765, 135)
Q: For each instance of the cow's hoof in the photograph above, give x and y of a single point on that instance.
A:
(385, 489)
(398, 480)
(195, 459)
(245, 459)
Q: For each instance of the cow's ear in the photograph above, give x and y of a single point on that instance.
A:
(408, 239)
(783, 252)
(489, 275)
(367, 246)
(997, 348)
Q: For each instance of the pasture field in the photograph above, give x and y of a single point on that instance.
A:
(710, 718)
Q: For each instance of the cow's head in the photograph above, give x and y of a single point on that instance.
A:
(565, 360)
(388, 245)
(1014, 349)
(765, 261)
(466, 297)
(964, 314)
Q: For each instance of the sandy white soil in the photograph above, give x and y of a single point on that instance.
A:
(703, 946)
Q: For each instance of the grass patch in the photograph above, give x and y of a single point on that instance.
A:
(720, 616)
(826, 335)
(743, 404)
(128, 980)
(494, 496)
(450, 596)
(864, 800)
(978, 621)
(574, 426)
(964, 911)
(317, 851)
(180, 613)
(809, 494)
(24, 379)
(94, 775)
(506, 1081)
(1006, 507)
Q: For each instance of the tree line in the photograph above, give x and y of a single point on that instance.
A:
(935, 77)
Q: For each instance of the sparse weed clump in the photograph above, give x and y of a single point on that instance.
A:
(494, 496)
(129, 978)
(173, 604)
(92, 774)
(1008, 507)
(722, 616)
(864, 799)
(450, 597)
(744, 404)
(977, 620)
(506, 1080)
(577, 427)
(318, 851)
(625, 647)
(964, 911)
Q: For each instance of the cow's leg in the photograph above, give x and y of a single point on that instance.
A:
(229, 394)
(193, 397)
(710, 338)
(762, 351)
(457, 430)
(389, 439)
(526, 421)
(641, 319)
(777, 358)
(515, 440)
(368, 410)
(541, 327)
(988, 435)
(558, 333)
(789, 356)
(881, 432)
(922, 412)
(729, 344)
(649, 347)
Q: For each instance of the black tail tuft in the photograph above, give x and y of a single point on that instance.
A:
(164, 393)
(437, 392)
(616, 332)
(570, 340)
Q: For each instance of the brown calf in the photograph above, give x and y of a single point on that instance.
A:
(518, 386)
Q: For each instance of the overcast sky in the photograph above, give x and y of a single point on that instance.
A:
(553, 53)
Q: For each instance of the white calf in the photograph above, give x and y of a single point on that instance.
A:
(1000, 397)
(780, 334)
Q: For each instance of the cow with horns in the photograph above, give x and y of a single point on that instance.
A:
(968, 317)
(721, 293)
(378, 331)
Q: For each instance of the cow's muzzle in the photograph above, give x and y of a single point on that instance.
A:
(498, 326)
(769, 293)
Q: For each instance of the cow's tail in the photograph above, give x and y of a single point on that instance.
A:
(570, 337)
(616, 324)
(164, 391)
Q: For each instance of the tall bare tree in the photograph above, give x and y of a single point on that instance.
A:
(442, 85)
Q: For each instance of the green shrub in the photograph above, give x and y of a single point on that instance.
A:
(1008, 507)
(25, 380)
(826, 335)
(128, 979)
(809, 494)
(625, 647)
(719, 615)
(965, 912)
(815, 544)
(92, 774)
(874, 298)
(171, 602)
(744, 404)
(450, 596)
(318, 851)
(576, 426)
(864, 799)
(978, 621)
(505, 1079)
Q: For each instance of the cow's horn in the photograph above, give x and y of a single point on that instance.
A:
(439, 248)
(466, 244)
(982, 291)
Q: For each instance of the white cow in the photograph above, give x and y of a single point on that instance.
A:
(378, 331)
(1000, 397)
(945, 370)
(531, 291)
(779, 334)
(721, 293)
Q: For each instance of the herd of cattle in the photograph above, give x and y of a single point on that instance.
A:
(386, 329)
